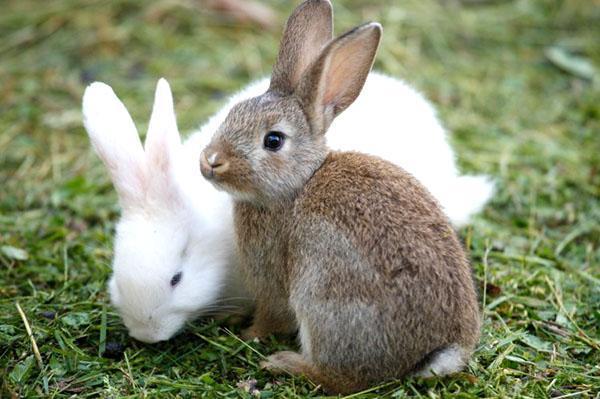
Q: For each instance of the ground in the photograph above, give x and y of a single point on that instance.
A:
(514, 81)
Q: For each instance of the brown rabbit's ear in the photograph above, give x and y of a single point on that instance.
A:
(306, 32)
(337, 77)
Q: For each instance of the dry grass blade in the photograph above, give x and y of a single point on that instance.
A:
(34, 346)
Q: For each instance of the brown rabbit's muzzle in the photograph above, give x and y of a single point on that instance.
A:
(221, 165)
(213, 164)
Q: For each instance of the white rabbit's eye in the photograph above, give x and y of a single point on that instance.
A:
(175, 279)
(273, 140)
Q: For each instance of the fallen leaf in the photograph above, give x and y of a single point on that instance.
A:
(571, 63)
(21, 371)
(536, 343)
(15, 253)
(76, 319)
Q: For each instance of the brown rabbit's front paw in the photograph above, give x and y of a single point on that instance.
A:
(285, 362)
(253, 333)
(230, 320)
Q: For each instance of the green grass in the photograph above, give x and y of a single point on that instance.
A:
(513, 114)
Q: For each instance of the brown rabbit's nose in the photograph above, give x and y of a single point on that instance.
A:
(212, 163)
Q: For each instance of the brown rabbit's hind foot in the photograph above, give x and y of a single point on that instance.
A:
(446, 361)
(286, 362)
(296, 364)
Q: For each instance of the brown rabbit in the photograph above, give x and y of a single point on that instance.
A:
(346, 248)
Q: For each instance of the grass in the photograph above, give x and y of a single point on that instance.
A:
(532, 123)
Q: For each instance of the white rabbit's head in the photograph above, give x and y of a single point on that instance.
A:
(169, 262)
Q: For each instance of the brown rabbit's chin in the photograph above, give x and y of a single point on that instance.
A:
(235, 192)
(263, 198)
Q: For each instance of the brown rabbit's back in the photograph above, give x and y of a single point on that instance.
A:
(381, 259)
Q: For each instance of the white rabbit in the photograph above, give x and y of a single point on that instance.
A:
(176, 228)
(173, 257)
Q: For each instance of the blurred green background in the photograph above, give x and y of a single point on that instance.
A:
(516, 83)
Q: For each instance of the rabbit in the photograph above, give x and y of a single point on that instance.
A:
(346, 248)
(173, 259)
(154, 230)
(377, 107)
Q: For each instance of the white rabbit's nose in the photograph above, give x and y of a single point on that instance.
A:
(145, 336)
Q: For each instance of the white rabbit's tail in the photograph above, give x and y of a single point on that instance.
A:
(466, 196)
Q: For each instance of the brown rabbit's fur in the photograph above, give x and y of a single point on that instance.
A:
(346, 248)
(365, 258)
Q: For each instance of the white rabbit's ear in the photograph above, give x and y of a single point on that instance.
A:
(307, 31)
(162, 140)
(115, 139)
(336, 78)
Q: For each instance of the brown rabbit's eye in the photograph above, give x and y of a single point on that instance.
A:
(274, 141)
(175, 279)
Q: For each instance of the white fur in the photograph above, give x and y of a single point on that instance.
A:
(168, 206)
(166, 226)
(115, 139)
(448, 361)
